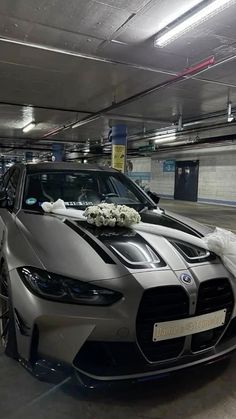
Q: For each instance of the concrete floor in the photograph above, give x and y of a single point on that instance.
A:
(202, 393)
(216, 215)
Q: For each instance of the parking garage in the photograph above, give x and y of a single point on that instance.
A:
(118, 165)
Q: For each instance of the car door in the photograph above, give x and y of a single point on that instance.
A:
(8, 207)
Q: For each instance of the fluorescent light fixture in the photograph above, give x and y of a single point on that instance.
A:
(205, 13)
(230, 115)
(29, 127)
(177, 13)
(165, 139)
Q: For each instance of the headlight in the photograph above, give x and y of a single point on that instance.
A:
(66, 290)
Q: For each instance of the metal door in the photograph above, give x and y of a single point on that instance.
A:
(186, 180)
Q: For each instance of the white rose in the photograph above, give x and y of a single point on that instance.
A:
(112, 222)
(90, 220)
(98, 222)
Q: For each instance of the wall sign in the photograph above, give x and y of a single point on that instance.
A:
(169, 166)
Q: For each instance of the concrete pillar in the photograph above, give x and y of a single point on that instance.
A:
(119, 147)
(57, 152)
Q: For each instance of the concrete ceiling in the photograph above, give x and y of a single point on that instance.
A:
(61, 61)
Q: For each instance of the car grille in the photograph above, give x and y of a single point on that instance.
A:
(159, 305)
(213, 295)
(172, 303)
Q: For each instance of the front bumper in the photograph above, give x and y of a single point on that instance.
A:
(101, 342)
(109, 361)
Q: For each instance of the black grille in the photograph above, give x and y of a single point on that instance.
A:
(159, 305)
(213, 295)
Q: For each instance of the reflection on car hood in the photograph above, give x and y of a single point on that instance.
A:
(75, 249)
(176, 221)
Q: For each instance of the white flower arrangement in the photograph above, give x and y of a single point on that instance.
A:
(111, 215)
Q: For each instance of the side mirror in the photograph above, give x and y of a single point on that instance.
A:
(154, 197)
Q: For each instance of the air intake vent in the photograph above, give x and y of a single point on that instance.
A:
(160, 305)
(213, 295)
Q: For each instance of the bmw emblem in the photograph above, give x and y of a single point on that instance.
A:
(187, 279)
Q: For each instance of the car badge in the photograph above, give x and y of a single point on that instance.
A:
(187, 279)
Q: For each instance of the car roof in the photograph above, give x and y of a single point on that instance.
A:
(61, 166)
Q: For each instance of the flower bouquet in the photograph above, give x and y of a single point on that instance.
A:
(111, 215)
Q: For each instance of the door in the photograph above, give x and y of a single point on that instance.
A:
(186, 180)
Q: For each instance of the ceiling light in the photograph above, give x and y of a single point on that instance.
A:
(29, 127)
(205, 13)
(230, 115)
(165, 139)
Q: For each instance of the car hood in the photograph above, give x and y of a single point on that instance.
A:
(72, 247)
(176, 221)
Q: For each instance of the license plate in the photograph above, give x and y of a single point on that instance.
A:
(184, 327)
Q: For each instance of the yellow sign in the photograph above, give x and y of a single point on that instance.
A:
(118, 157)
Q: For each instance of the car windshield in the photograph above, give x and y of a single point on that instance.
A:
(80, 189)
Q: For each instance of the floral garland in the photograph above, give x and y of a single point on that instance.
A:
(111, 215)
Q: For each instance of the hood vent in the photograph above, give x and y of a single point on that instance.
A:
(128, 246)
(193, 254)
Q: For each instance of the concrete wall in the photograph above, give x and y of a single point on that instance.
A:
(217, 179)
(162, 182)
(217, 174)
(141, 170)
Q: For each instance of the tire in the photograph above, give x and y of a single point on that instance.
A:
(7, 322)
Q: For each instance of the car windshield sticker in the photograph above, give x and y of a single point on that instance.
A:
(31, 201)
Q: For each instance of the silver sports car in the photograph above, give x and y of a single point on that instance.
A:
(112, 303)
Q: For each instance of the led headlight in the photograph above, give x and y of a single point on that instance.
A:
(58, 288)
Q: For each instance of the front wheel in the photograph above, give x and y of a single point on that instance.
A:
(7, 322)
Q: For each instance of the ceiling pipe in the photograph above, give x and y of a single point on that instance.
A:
(176, 137)
(94, 58)
(203, 121)
(197, 69)
(153, 135)
(24, 148)
(197, 149)
(203, 65)
(26, 139)
(178, 143)
(101, 59)
(210, 118)
(105, 60)
(187, 73)
(134, 119)
(47, 108)
(85, 56)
